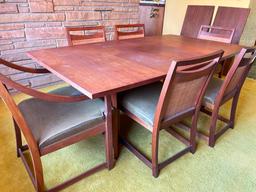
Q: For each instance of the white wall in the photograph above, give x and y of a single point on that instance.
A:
(175, 11)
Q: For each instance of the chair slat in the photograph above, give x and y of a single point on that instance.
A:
(214, 33)
(139, 32)
(87, 35)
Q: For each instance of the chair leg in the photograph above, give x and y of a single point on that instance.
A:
(18, 137)
(193, 133)
(38, 172)
(233, 111)
(212, 130)
(155, 144)
(221, 69)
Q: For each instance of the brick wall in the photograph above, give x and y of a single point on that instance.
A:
(27, 25)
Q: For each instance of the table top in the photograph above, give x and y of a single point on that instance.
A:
(106, 68)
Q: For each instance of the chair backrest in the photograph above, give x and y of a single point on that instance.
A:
(129, 31)
(184, 87)
(237, 74)
(195, 17)
(85, 35)
(231, 17)
(213, 33)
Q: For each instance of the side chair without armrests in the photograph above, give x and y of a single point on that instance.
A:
(121, 34)
(54, 120)
(220, 34)
(220, 91)
(85, 35)
(231, 17)
(160, 105)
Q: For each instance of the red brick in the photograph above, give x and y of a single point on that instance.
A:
(63, 8)
(23, 9)
(11, 34)
(45, 33)
(81, 23)
(5, 42)
(36, 17)
(15, 57)
(41, 6)
(16, 1)
(6, 47)
(8, 8)
(37, 43)
(43, 24)
(62, 42)
(13, 26)
(66, 2)
(81, 16)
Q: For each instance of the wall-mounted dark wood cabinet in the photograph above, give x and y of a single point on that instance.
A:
(153, 17)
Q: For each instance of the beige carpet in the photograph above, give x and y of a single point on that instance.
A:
(229, 167)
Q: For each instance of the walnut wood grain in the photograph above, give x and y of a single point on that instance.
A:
(107, 68)
(196, 16)
(232, 17)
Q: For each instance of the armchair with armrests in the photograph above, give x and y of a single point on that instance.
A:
(54, 120)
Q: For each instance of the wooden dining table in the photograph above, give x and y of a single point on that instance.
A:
(102, 70)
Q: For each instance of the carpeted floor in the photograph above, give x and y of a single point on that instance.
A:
(229, 167)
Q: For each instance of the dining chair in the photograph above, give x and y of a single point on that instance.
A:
(67, 90)
(220, 34)
(232, 17)
(129, 31)
(196, 16)
(160, 105)
(52, 121)
(213, 33)
(221, 91)
(85, 35)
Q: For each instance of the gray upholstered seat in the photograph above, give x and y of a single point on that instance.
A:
(142, 101)
(212, 91)
(67, 91)
(52, 121)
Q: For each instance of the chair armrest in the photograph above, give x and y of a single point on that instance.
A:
(21, 68)
(41, 95)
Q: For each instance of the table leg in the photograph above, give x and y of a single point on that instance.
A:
(109, 133)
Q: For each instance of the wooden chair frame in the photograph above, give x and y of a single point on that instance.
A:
(129, 35)
(98, 37)
(208, 32)
(194, 68)
(20, 125)
(213, 33)
(223, 97)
